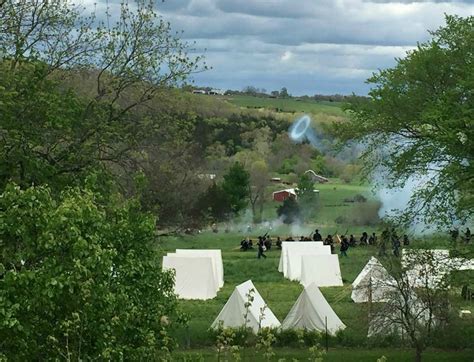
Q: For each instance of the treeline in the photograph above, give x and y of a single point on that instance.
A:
(283, 94)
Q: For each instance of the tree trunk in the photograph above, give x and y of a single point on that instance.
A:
(419, 351)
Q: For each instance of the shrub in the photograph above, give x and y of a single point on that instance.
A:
(70, 272)
(367, 214)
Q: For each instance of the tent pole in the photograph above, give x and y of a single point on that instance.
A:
(326, 327)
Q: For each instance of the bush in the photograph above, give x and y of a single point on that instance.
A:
(366, 214)
(70, 271)
(341, 220)
(360, 198)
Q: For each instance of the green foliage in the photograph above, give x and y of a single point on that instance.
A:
(288, 165)
(307, 198)
(265, 341)
(236, 186)
(289, 211)
(80, 280)
(305, 188)
(316, 354)
(418, 121)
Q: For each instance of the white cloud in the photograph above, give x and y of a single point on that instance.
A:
(287, 55)
(308, 46)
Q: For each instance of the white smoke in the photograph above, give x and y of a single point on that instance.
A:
(302, 130)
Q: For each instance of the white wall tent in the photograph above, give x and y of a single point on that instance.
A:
(311, 312)
(194, 277)
(217, 260)
(322, 270)
(373, 282)
(389, 321)
(426, 267)
(232, 315)
(291, 252)
(294, 263)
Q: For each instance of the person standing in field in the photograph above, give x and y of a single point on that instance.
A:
(317, 236)
(261, 248)
(344, 245)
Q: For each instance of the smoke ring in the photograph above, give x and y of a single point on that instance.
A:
(299, 128)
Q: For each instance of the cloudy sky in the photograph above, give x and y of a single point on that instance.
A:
(308, 46)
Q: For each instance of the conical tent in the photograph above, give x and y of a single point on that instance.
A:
(194, 277)
(234, 311)
(373, 282)
(312, 312)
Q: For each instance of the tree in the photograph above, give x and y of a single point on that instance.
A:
(307, 198)
(289, 211)
(418, 122)
(416, 297)
(68, 278)
(236, 186)
(68, 87)
(259, 179)
(284, 93)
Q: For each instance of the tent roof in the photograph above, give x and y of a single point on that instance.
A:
(373, 269)
(374, 276)
(232, 314)
(310, 312)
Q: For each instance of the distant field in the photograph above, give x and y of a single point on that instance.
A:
(287, 105)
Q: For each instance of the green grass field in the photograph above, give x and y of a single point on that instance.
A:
(280, 293)
(287, 105)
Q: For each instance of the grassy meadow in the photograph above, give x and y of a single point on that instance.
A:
(280, 293)
(290, 105)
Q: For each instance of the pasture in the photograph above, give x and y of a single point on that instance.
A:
(290, 105)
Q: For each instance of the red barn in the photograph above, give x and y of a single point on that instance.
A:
(282, 195)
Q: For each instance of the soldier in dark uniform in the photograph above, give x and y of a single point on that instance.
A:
(317, 236)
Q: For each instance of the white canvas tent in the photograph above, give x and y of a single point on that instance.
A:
(194, 277)
(233, 313)
(389, 321)
(294, 262)
(291, 252)
(426, 268)
(322, 270)
(216, 256)
(373, 282)
(312, 312)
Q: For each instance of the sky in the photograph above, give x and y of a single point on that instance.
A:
(308, 46)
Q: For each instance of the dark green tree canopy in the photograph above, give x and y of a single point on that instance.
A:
(419, 121)
(236, 186)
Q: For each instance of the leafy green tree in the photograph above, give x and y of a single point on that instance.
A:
(236, 186)
(259, 180)
(307, 198)
(69, 84)
(418, 121)
(305, 187)
(80, 281)
(289, 211)
(284, 93)
(214, 203)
